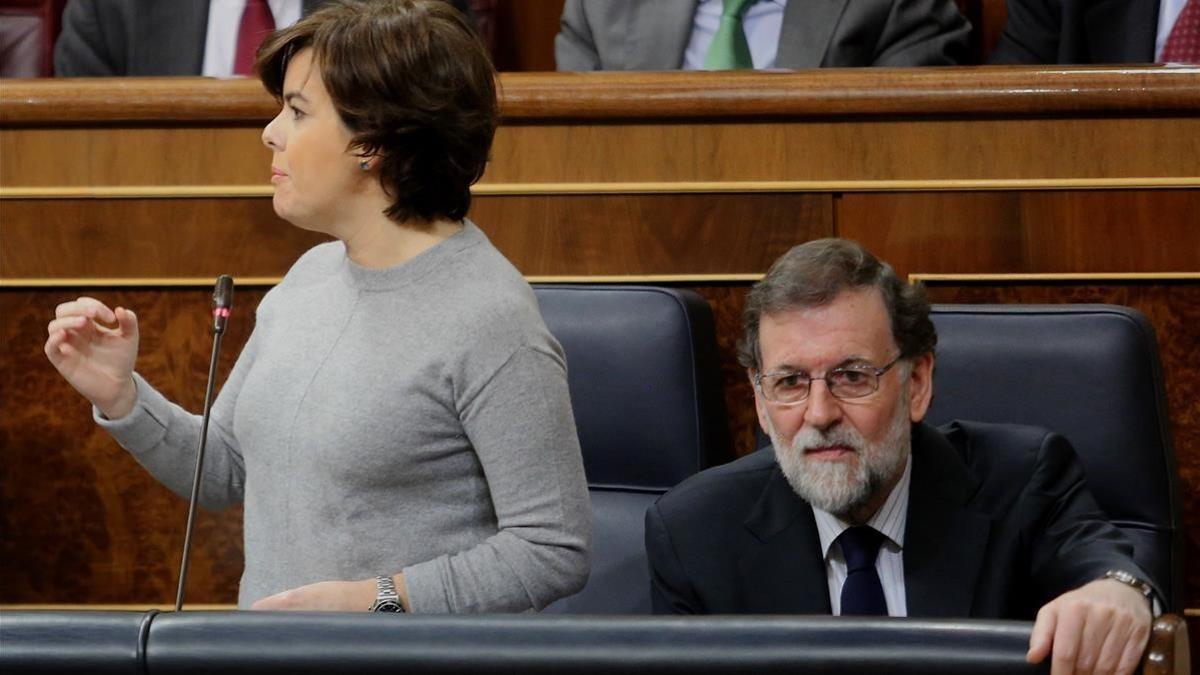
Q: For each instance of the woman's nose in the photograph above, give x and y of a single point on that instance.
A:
(270, 135)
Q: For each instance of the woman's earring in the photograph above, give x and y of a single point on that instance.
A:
(364, 165)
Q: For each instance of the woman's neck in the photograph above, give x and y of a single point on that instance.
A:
(380, 242)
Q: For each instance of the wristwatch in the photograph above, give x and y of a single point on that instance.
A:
(388, 600)
(1129, 580)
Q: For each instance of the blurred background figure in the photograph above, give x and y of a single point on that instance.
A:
(1117, 31)
(215, 38)
(27, 30)
(729, 34)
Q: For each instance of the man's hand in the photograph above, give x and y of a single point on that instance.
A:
(330, 596)
(1101, 627)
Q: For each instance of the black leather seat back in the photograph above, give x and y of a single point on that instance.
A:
(645, 385)
(1091, 373)
(289, 642)
(73, 642)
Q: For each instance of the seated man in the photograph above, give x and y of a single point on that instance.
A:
(860, 508)
(729, 34)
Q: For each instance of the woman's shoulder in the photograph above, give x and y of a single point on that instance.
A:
(317, 263)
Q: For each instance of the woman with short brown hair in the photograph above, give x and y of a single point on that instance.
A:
(398, 426)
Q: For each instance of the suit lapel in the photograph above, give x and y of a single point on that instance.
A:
(945, 540)
(659, 33)
(1122, 31)
(170, 37)
(785, 573)
(808, 27)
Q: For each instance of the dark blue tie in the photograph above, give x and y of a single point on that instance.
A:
(862, 593)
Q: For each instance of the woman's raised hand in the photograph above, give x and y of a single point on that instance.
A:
(95, 358)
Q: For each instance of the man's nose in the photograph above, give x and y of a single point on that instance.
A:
(822, 410)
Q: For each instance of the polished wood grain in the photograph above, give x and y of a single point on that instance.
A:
(1028, 231)
(525, 31)
(927, 153)
(557, 235)
(82, 521)
(147, 238)
(987, 92)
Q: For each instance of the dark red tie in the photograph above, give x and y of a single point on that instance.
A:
(256, 23)
(1183, 44)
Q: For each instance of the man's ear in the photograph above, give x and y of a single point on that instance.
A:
(920, 387)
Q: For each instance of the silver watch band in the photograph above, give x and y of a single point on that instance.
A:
(1130, 580)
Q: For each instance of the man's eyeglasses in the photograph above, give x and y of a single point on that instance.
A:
(852, 381)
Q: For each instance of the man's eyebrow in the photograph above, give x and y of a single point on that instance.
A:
(852, 360)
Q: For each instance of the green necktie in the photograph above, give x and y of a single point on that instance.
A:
(729, 49)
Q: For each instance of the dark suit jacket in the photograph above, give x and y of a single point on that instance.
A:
(999, 522)
(1078, 31)
(134, 37)
(652, 35)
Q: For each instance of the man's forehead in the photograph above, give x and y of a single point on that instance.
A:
(854, 325)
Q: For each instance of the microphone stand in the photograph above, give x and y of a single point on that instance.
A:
(222, 304)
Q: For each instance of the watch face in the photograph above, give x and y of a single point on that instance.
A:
(387, 606)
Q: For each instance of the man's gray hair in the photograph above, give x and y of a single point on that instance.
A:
(814, 273)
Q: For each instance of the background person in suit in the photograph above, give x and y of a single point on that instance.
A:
(677, 34)
(117, 38)
(1082, 31)
(860, 508)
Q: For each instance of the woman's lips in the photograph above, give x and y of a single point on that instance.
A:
(277, 175)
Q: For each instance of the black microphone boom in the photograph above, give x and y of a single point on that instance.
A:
(222, 308)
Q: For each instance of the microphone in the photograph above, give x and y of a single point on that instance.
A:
(222, 308)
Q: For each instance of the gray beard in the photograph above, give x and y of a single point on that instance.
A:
(842, 487)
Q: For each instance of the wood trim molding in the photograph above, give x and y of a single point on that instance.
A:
(622, 188)
(118, 608)
(1052, 277)
(991, 92)
(263, 282)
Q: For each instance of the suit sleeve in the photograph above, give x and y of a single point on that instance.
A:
(670, 590)
(83, 49)
(574, 46)
(923, 33)
(1031, 33)
(1071, 539)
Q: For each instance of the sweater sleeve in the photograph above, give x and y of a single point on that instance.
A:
(163, 438)
(522, 428)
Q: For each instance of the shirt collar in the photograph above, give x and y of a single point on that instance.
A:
(891, 518)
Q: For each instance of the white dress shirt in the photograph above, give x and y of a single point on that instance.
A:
(224, 19)
(1168, 14)
(761, 23)
(890, 520)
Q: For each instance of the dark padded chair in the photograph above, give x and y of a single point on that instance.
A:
(262, 643)
(268, 643)
(74, 642)
(645, 385)
(1091, 373)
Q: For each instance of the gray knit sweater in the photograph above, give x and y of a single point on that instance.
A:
(415, 418)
